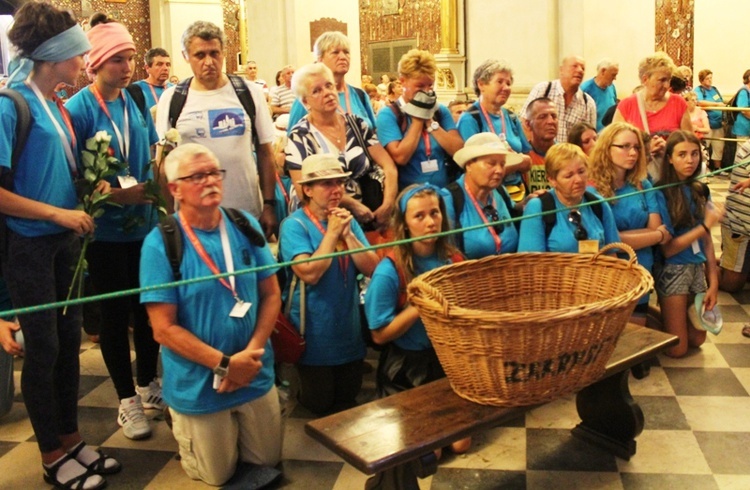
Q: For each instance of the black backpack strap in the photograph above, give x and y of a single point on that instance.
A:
(136, 92)
(361, 94)
(243, 93)
(474, 112)
(241, 221)
(172, 236)
(547, 90)
(457, 195)
(23, 123)
(178, 101)
(596, 207)
(400, 116)
(548, 204)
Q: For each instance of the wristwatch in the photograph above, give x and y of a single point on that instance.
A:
(223, 368)
(433, 126)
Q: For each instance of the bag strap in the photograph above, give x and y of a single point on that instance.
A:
(642, 110)
(400, 116)
(246, 99)
(136, 92)
(178, 101)
(457, 196)
(354, 124)
(288, 306)
(23, 123)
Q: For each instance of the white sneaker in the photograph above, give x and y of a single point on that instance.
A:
(132, 419)
(151, 395)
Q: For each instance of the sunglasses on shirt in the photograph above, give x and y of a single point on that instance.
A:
(580, 232)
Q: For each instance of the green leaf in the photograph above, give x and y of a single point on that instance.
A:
(89, 176)
(91, 144)
(98, 213)
(88, 159)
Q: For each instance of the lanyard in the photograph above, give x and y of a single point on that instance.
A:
(493, 233)
(68, 144)
(123, 143)
(489, 121)
(208, 260)
(281, 186)
(427, 144)
(153, 92)
(343, 260)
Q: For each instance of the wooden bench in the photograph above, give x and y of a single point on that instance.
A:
(394, 438)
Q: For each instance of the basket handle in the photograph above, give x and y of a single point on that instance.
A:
(619, 246)
(432, 292)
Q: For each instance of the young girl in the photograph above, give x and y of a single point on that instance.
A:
(43, 240)
(408, 358)
(688, 214)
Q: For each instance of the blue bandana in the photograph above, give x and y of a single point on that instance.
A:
(68, 44)
(414, 190)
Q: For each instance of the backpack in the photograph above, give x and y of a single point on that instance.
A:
(458, 205)
(171, 233)
(23, 128)
(451, 167)
(401, 302)
(136, 93)
(548, 204)
(730, 117)
(243, 93)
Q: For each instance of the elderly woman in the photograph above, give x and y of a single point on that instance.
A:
(332, 49)
(105, 105)
(655, 109)
(617, 167)
(417, 132)
(478, 198)
(492, 82)
(574, 228)
(583, 135)
(326, 130)
(331, 368)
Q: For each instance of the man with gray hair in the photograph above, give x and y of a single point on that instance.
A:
(216, 355)
(332, 49)
(601, 88)
(224, 113)
(573, 105)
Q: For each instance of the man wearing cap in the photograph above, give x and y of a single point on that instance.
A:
(541, 123)
(218, 362)
(330, 370)
(477, 194)
(213, 115)
(417, 132)
(157, 64)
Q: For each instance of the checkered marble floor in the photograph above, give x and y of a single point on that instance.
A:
(697, 432)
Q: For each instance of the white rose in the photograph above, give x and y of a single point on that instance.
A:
(173, 136)
(102, 137)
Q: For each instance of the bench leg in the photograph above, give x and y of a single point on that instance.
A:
(610, 418)
(404, 476)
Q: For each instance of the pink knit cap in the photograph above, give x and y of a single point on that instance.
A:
(106, 41)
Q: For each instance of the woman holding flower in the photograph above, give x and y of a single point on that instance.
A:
(105, 110)
(42, 242)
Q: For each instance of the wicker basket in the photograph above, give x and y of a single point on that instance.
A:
(526, 328)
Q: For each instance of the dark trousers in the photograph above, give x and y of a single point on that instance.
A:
(39, 270)
(330, 389)
(114, 266)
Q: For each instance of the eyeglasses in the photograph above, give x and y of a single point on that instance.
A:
(628, 147)
(575, 218)
(491, 214)
(200, 178)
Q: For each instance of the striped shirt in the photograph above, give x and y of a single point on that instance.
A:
(738, 205)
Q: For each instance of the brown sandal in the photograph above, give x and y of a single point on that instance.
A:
(746, 330)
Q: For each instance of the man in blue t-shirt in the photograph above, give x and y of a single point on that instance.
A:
(158, 64)
(216, 355)
(601, 88)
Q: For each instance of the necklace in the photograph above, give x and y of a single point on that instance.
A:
(335, 133)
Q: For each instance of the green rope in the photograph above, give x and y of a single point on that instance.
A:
(186, 282)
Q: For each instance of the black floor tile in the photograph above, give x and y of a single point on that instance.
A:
(465, 479)
(139, 467)
(557, 450)
(704, 382)
(308, 475)
(662, 413)
(725, 452)
(89, 383)
(647, 481)
(742, 297)
(736, 355)
(733, 313)
(6, 446)
(97, 424)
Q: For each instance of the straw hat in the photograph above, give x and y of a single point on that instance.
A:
(483, 144)
(323, 166)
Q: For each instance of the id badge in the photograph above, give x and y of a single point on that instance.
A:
(127, 181)
(240, 309)
(588, 246)
(429, 166)
(696, 247)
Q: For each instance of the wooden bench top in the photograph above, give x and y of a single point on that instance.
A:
(391, 431)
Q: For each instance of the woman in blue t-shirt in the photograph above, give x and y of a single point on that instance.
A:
(689, 257)
(115, 255)
(43, 239)
(575, 228)
(408, 358)
(331, 368)
(617, 167)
